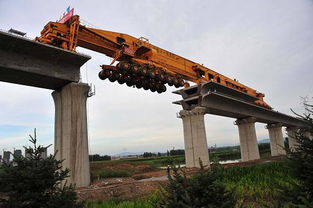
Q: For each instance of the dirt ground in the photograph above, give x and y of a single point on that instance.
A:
(119, 188)
(132, 168)
(139, 184)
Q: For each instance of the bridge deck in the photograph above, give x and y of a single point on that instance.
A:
(27, 62)
(221, 101)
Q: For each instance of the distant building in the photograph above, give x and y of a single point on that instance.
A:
(17, 153)
(6, 156)
(44, 154)
(27, 152)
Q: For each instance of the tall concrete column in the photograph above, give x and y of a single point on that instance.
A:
(248, 140)
(71, 137)
(195, 137)
(276, 139)
(291, 133)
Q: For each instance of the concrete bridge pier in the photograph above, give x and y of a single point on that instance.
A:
(308, 135)
(291, 133)
(195, 137)
(71, 138)
(27, 62)
(276, 139)
(248, 139)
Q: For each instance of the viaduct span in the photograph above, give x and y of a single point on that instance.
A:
(27, 62)
(217, 99)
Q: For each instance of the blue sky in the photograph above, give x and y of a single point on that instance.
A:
(265, 44)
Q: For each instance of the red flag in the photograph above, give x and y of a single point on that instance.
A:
(67, 16)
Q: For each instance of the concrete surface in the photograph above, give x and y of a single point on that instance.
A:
(291, 133)
(71, 137)
(225, 101)
(276, 139)
(309, 135)
(248, 140)
(27, 62)
(195, 137)
(205, 88)
(221, 100)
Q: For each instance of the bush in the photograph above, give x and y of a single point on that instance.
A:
(35, 182)
(200, 190)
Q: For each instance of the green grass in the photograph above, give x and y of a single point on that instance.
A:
(151, 160)
(164, 161)
(222, 156)
(113, 174)
(142, 160)
(258, 184)
(117, 204)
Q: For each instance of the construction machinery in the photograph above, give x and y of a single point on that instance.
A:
(140, 63)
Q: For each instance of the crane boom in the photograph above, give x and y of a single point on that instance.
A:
(140, 63)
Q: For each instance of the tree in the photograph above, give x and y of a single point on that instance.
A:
(301, 162)
(36, 182)
(177, 152)
(148, 154)
(199, 191)
(97, 157)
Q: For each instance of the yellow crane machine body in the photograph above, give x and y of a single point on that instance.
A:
(140, 63)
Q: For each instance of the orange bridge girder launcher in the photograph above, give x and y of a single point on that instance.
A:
(140, 63)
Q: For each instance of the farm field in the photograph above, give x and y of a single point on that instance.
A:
(257, 185)
(142, 167)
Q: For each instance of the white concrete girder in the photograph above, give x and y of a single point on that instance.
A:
(225, 101)
(28, 62)
(196, 146)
